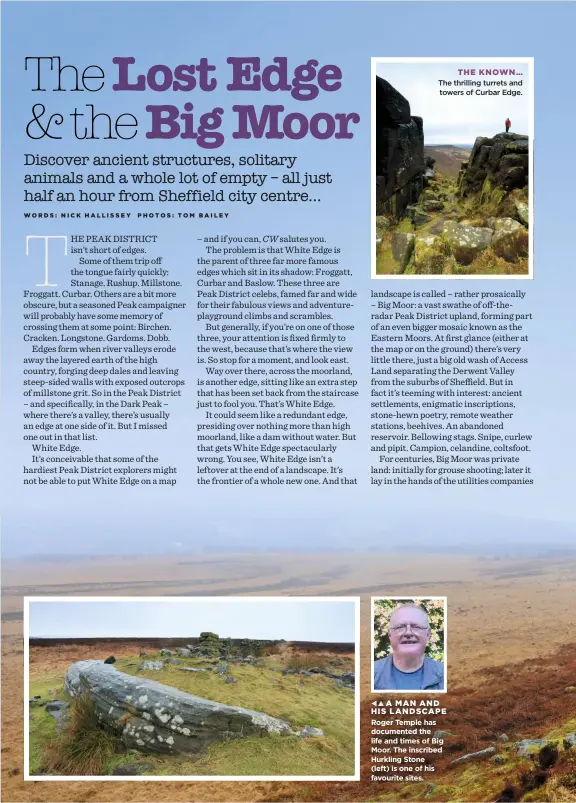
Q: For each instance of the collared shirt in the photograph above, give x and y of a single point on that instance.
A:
(407, 680)
(432, 675)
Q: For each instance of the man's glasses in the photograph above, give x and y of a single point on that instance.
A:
(416, 629)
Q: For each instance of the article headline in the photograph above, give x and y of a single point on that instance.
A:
(305, 82)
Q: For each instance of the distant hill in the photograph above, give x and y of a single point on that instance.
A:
(448, 157)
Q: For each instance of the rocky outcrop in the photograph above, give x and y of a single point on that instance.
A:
(400, 161)
(155, 718)
(210, 645)
(348, 679)
(510, 239)
(502, 161)
(466, 242)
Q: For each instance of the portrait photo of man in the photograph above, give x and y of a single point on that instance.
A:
(411, 633)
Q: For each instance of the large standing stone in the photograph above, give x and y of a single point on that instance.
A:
(400, 161)
(402, 247)
(156, 718)
(466, 242)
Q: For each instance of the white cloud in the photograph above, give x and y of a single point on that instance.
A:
(457, 119)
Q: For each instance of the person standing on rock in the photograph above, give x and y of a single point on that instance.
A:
(508, 124)
(408, 667)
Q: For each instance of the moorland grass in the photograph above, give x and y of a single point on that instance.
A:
(317, 701)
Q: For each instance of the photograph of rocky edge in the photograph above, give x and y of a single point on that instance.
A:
(409, 644)
(210, 707)
(448, 210)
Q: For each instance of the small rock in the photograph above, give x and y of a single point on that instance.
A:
(184, 652)
(382, 225)
(222, 669)
(522, 211)
(498, 759)
(503, 738)
(429, 194)
(110, 660)
(418, 216)
(569, 741)
(190, 669)
(480, 754)
(166, 652)
(432, 205)
(59, 710)
(230, 679)
(51, 692)
(174, 661)
(529, 746)
(308, 730)
(441, 734)
(56, 705)
(153, 666)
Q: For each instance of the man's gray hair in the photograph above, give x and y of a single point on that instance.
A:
(410, 605)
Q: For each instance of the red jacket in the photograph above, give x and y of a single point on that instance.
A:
(508, 123)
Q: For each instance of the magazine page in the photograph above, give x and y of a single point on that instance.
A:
(287, 427)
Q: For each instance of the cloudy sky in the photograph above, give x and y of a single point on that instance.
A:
(457, 119)
(246, 617)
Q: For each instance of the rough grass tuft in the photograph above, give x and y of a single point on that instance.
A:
(84, 747)
(306, 660)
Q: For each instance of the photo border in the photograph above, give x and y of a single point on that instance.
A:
(446, 60)
(168, 600)
(445, 662)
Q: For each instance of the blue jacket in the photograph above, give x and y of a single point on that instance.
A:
(432, 677)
